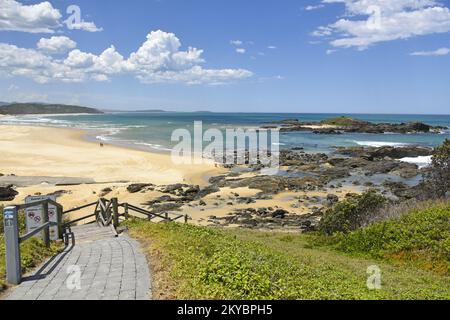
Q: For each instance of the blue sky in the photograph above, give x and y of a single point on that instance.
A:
(372, 56)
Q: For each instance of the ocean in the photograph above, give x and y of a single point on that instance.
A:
(153, 130)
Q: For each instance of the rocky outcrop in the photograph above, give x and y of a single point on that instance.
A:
(372, 153)
(345, 124)
(138, 187)
(269, 218)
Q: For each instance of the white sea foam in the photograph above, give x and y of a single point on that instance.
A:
(422, 161)
(378, 144)
(152, 146)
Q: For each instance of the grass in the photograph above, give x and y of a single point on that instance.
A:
(192, 262)
(32, 251)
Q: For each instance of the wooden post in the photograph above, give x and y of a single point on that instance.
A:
(125, 207)
(186, 217)
(115, 208)
(166, 214)
(46, 231)
(59, 213)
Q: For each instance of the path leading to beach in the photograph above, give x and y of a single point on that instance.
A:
(107, 267)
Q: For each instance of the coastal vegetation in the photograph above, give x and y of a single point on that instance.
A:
(41, 108)
(193, 262)
(343, 122)
(352, 213)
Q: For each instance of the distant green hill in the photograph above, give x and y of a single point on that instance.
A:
(40, 108)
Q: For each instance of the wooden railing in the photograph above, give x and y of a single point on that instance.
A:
(13, 239)
(106, 213)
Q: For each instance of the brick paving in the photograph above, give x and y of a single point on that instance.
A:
(98, 266)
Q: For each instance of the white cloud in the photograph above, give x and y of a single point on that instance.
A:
(312, 7)
(236, 42)
(240, 50)
(86, 26)
(159, 59)
(368, 22)
(37, 18)
(438, 52)
(271, 47)
(55, 45)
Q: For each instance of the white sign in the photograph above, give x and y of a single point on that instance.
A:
(34, 215)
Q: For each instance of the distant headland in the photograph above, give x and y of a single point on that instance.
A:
(41, 108)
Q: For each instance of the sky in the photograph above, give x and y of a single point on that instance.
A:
(338, 56)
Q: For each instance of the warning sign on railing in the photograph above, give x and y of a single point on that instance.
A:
(34, 215)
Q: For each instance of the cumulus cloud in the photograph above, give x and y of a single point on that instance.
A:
(368, 22)
(37, 18)
(159, 59)
(56, 45)
(241, 50)
(438, 52)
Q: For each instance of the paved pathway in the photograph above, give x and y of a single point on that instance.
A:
(107, 267)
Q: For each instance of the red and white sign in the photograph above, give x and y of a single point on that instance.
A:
(34, 215)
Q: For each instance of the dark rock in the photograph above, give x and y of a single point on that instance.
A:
(161, 199)
(279, 213)
(137, 187)
(164, 207)
(105, 191)
(207, 190)
(7, 193)
(174, 188)
(332, 199)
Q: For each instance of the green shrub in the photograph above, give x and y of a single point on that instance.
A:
(422, 237)
(352, 213)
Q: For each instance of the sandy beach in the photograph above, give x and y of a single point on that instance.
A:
(43, 160)
(55, 152)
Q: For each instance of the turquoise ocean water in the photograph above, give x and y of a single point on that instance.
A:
(153, 130)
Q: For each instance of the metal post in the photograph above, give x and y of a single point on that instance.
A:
(46, 231)
(13, 267)
(115, 208)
